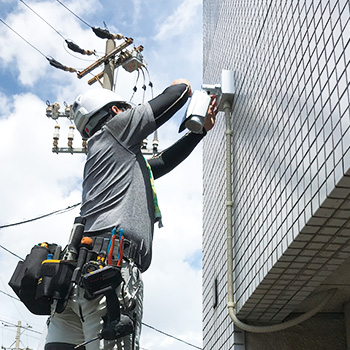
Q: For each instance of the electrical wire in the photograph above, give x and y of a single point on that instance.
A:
(144, 324)
(74, 13)
(143, 86)
(51, 60)
(56, 212)
(60, 211)
(150, 84)
(116, 73)
(171, 336)
(43, 20)
(9, 295)
(23, 38)
(135, 87)
(78, 57)
(9, 251)
(7, 324)
(13, 302)
(71, 45)
(26, 328)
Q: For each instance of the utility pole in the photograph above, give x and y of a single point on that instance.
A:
(18, 335)
(108, 73)
(115, 56)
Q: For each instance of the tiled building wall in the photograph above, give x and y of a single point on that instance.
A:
(291, 138)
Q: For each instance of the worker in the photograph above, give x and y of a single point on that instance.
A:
(118, 192)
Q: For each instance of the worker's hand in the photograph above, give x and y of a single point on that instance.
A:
(183, 81)
(212, 112)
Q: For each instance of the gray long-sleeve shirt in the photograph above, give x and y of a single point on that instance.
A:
(116, 187)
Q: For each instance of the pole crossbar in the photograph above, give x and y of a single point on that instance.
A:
(105, 58)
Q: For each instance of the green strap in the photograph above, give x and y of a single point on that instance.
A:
(157, 213)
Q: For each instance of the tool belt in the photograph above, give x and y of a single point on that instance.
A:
(47, 275)
(131, 251)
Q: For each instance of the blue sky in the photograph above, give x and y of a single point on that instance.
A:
(166, 29)
(34, 181)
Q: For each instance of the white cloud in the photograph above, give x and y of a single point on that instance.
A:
(137, 11)
(181, 21)
(4, 105)
(30, 61)
(34, 181)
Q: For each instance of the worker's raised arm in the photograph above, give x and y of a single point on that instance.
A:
(171, 157)
(165, 105)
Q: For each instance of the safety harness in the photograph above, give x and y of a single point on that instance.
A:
(157, 213)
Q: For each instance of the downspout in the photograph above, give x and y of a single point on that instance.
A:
(229, 205)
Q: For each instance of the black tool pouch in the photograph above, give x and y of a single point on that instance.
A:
(25, 278)
(54, 282)
(38, 281)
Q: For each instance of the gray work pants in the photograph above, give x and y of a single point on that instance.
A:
(81, 320)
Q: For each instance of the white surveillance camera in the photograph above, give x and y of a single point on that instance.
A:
(196, 112)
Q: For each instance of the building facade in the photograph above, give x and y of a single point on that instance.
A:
(290, 163)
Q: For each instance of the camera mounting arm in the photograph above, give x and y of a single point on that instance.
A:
(224, 91)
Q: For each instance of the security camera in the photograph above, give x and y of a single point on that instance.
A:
(198, 107)
(196, 112)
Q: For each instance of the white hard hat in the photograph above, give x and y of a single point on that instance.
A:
(90, 107)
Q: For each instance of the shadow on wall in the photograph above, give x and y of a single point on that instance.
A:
(321, 332)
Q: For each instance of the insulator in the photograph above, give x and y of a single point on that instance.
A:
(68, 112)
(119, 36)
(102, 33)
(59, 65)
(52, 111)
(55, 110)
(74, 47)
(71, 135)
(49, 111)
(155, 144)
(144, 143)
(56, 135)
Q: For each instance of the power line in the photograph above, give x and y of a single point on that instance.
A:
(9, 251)
(13, 302)
(71, 45)
(101, 33)
(150, 84)
(144, 324)
(60, 211)
(43, 20)
(56, 212)
(28, 328)
(171, 336)
(51, 60)
(9, 295)
(23, 38)
(74, 13)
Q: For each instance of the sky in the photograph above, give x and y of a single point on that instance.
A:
(35, 181)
